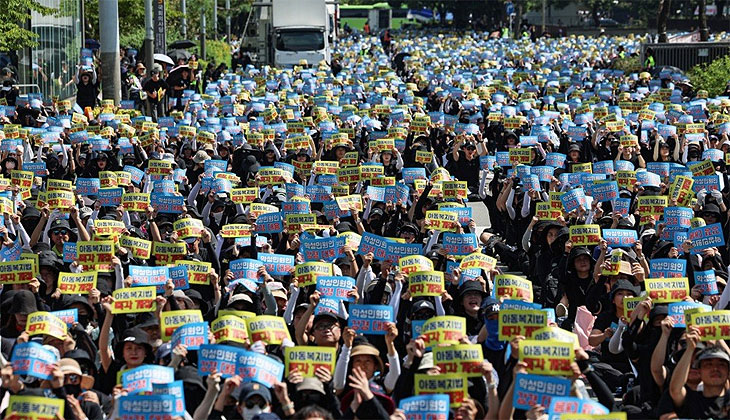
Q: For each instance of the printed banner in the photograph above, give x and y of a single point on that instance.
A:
(713, 325)
(515, 287)
(229, 328)
(34, 408)
(45, 323)
(306, 359)
(171, 320)
(452, 384)
(370, 319)
(95, 252)
(17, 272)
(433, 406)
(620, 238)
(582, 235)
(267, 328)
(191, 336)
(464, 359)
(33, 359)
(704, 237)
(667, 290)
(77, 283)
(443, 330)
(426, 283)
(514, 322)
(547, 357)
(131, 300)
(531, 390)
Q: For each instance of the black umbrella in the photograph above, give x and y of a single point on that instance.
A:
(179, 55)
(181, 44)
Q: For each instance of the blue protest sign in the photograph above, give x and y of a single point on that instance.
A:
(394, 251)
(218, 357)
(668, 267)
(335, 287)
(33, 359)
(573, 199)
(327, 249)
(318, 193)
(295, 207)
(370, 319)
(621, 206)
(245, 268)
(659, 168)
(150, 406)
(648, 179)
(561, 405)
(605, 167)
(604, 190)
(376, 244)
(69, 316)
(38, 168)
(706, 282)
(619, 238)
(676, 311)
(411, 174)
(253, 366)
(623, 165)
(167, 203)
(460, 243)
(110, 197)
(432, 406)
(148, 276)
(141, 379)
(531, 390)
(708, 182)
(704, 237)
(676, 218)
(88, 186)
(277, 264)
(191, 335)
(556, 160)
(270, 223)
(174, 389)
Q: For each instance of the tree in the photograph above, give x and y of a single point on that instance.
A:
(661, 23)
(13, 32)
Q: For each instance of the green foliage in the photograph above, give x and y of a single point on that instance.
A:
(627, 64)
(15, 13)
(712, 77)
(217, 52)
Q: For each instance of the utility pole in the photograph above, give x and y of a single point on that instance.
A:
(184, 10)
(202, 36)
(215, 19)
(228, 20)
(149, 36)
(543, 16)
(109, 36)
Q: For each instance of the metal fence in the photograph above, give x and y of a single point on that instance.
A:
(685, 55)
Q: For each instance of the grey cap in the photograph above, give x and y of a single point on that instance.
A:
(711, 353)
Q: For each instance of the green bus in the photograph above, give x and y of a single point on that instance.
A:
(381, 16)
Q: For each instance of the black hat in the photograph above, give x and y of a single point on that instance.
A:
(250, 389)
(658, 310)
(69, 300)
(137, 336)
(471, 286)
(30, 212)
(82, 357)
(49, 259)
(421, 305)
(623, 284)
(147, 319)
(325, 315)
(62, 224)
(195, 296)
(711, 208)
(491, 306)
(409, 227)
(574, 148)
(23, 303)
(189, 375)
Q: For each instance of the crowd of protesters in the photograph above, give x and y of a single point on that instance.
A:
(298, 200)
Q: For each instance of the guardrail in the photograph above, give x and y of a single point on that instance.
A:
(685, 55)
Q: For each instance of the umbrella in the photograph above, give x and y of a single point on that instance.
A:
(176, 73)
(177, 55)
(164, 59)
(181, 44)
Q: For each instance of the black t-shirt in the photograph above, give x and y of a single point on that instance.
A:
(467, 170)
(697, 406)
(603, 321)
(154, 86)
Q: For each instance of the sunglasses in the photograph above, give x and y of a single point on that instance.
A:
(60, 232)
(325, 326)
(251, 404)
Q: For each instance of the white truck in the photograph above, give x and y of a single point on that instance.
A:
(282, 33)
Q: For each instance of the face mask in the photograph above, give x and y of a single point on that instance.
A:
(218, 216)
(74, 390)
(249, 413)
(84, 320)
(493, 342)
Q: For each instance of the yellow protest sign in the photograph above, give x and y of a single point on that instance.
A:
(413, 263)
(383, 181)
(452, 384)
(107, 179)
(426, 283)
(229, 328)
(130, 300)
(306, 273)
(713, 325)
(514, 322)
(465, 359)
(136, 201)
(681, 190)
(236, 230)
(60, 199)
(17, 272)
(348, 175)
(188, 227)
(108, 227)
(423, 157)
(244, 195)
(663, 290)
(197, 271)
(520, 156)
(544, 211)
(443, 330)
(325, 167)
(353, 201)
(294, 222)
(630, 303)
(77, 283)
(478, 260)
(307, 359)
(267, 328)
(23, 179)
(651, 205)
(626, 179)
(170, 320)
(559, 334)
(95, 252)
(547, 357)
(257, 209)
(140, 248)
(454, 190)
(27, 407)
(702, 168)
(515, 287)
(45, 323)
(444, 221)
(581, 235)
(58, 184)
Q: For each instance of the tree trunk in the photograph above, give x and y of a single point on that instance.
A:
(661, 29)
(704, 32)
